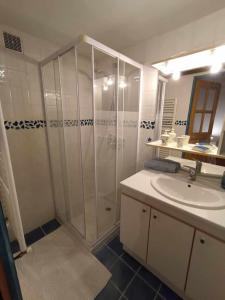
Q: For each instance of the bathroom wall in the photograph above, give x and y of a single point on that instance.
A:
(20, 94)
(148, 114)
(203, 33)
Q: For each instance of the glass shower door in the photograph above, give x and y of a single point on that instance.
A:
(85, 92)
(105, 104)
(72, 139)
(53, 112)
(92, 109)
(127, 122)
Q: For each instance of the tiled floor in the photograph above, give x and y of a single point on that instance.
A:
(129, 279)
(36, 234)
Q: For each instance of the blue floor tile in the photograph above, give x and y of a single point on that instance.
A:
(116, 246)
(130, 261)
(149, 277)
(121, 275)
(109, 293)
(106, 257)
(168, 293)
(50, 226)
(34, 236)
(139, 290)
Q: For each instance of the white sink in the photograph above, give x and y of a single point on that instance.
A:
(188, 193)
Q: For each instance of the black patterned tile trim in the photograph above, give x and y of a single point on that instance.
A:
(25, 124)
(181, 123)
(147, 124)
(67, 123)
(70, 123)
(35, 124)
(87, 122)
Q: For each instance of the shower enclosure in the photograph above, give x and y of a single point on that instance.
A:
(92, 98)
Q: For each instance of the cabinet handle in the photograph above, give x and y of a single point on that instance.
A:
(154, 216)
(202, 241)
(143, 210)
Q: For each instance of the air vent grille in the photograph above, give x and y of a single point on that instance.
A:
(12, 42)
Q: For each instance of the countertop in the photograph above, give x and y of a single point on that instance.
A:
(211, 221)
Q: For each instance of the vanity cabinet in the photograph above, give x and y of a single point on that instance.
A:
(189, 261)
(134, 226)
(206, 278)
(169, 248)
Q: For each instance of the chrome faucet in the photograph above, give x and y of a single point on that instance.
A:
(193, 172)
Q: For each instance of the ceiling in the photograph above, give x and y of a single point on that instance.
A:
(117, 23)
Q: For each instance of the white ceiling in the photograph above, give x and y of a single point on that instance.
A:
(117, 23)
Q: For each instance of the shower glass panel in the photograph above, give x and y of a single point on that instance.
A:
(105, 104)
(92, 97)
(72, 139)
(127, 123)
(85, 92)
(50, 76)
(130, 84)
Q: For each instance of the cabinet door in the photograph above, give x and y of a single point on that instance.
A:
(206, 277)
(169, 248)
(134, 226)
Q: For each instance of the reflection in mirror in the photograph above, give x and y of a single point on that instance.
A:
(200, 110)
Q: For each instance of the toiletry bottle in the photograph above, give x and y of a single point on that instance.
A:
(172, 135)
(165, 138)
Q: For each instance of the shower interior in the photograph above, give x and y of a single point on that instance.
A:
(92, 99)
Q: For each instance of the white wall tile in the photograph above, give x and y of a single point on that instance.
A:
(20, 95)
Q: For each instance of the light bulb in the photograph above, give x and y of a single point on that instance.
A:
(105, 87)
(2, 73)
(216, 67)
(122, 84)
(110, 81)
(176, 75)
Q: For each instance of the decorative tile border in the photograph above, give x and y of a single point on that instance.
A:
(130, 123)
(25, 124)
(70, 123)
(147, 124)
(35, 124)
(181, 122)
(87, 122)
(102, 122)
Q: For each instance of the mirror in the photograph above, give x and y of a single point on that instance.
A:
(198, 110)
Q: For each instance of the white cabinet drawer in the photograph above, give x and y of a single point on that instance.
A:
(134, 226)
(169, 248)
(206, 278)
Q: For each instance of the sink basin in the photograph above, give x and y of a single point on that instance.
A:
(188, 193)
